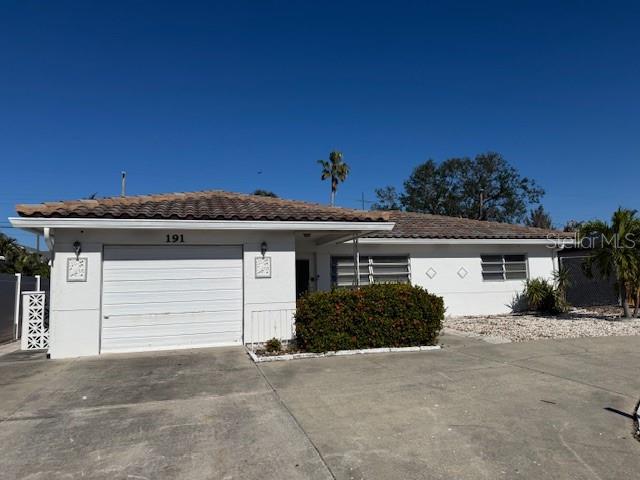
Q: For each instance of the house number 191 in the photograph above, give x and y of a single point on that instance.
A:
(175, 238)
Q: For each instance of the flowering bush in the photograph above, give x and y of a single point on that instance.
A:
(375, 316)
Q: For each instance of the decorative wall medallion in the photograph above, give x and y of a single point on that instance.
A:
(263, 267)
(463, 272)
(77, 269)
(431, 273)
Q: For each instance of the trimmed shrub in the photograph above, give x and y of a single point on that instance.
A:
(375, 316)
(543, 297)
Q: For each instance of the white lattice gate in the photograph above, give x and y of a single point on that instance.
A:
(35, 321)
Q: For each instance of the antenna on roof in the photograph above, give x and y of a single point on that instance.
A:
(363, 202)
(123, 187)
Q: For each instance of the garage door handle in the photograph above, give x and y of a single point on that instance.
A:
(106, 317)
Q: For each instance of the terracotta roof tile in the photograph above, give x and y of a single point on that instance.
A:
(207, 205)
(220, 205)
(423, 225)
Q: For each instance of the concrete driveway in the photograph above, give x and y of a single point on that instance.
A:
(538, 410)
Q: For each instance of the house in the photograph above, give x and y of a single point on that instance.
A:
(213, 268)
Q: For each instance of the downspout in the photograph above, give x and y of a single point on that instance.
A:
(50, 241)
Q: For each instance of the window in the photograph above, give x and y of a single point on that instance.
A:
(504, 267)
(373, 269)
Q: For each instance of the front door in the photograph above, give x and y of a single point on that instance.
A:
(303, 275)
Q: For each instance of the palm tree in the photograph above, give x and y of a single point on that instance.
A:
(615, 251)
(336, 170)
(635, 287)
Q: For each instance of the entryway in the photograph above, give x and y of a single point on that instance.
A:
(305, 274)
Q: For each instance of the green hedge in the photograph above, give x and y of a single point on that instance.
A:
(375, 316)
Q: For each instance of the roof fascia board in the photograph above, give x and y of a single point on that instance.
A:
(467, 241)
(134, 223)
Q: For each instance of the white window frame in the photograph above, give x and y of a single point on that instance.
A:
(504, 264)
(368, 261)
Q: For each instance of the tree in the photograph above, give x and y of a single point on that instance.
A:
(573, 226)
(615, 251)
(539, 218)
(336, 170)
(18, 260)
(387, 199)
(7, 245)
(486, 187)
(264, 193)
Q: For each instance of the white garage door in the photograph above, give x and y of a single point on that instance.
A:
(174, 296)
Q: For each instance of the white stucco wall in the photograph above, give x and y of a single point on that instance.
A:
(470, 295)
(269, 303)
(75, 307)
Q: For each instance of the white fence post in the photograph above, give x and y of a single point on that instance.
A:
(16, 310)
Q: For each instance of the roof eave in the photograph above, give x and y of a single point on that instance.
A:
(39, 223)
(551, 242)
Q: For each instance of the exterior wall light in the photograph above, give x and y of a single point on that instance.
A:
(263, 248)
(77, 248)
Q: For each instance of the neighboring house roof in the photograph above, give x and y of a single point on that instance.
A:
(207, 205)
(424, 225)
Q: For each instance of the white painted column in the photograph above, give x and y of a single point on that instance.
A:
(356, 260)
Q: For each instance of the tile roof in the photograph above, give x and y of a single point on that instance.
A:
(206, 205)
(424, 225)
(220, 205)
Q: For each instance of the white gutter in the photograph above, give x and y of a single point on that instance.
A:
(127, 223)
(554, 242)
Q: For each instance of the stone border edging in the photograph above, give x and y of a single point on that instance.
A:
(339, 353)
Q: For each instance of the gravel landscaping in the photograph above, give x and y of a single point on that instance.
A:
(594, 322)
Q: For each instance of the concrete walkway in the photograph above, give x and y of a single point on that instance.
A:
(537, 410)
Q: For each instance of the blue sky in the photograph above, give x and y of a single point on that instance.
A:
(191, 96)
